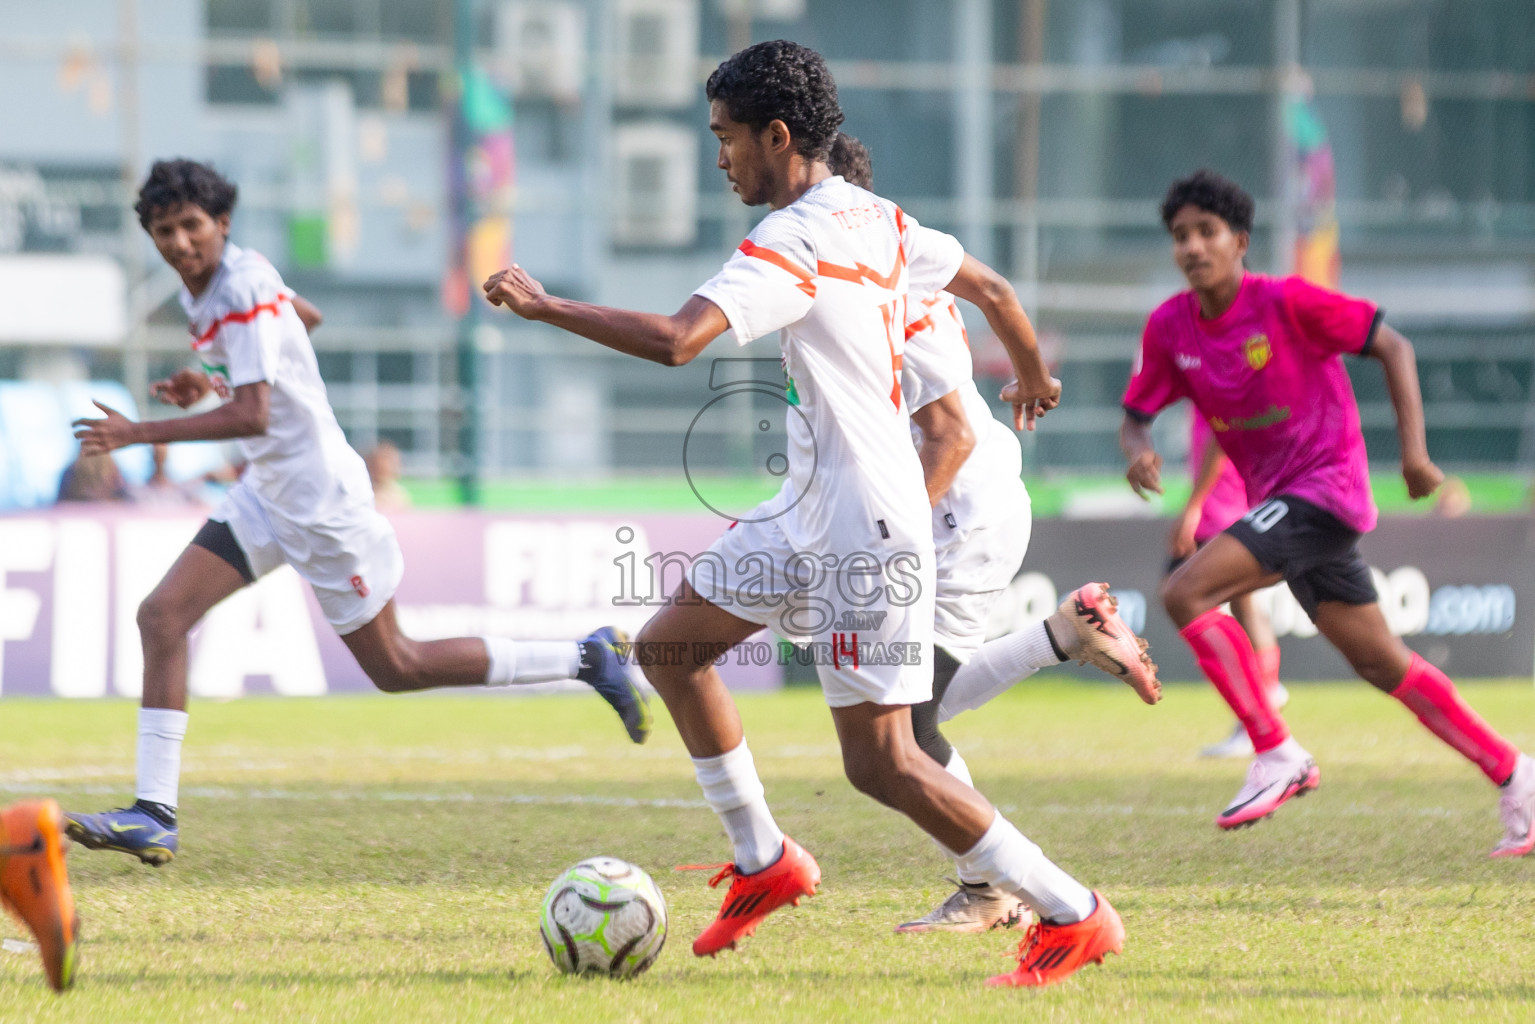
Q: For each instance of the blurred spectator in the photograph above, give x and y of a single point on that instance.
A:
(93, 478)
(384, 463)
(1453, 499)
(160, 491)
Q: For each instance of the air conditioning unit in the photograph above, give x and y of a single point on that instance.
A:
(763, 10)
(656, 42)
(541, 48)
(656, 184)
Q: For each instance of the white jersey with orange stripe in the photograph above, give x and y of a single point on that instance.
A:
(831, 271)
(245, 330)
(988, 488)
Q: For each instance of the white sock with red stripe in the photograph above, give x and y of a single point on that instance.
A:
(530, 661)
(734, 792)
(1004, 857)
(996, 667)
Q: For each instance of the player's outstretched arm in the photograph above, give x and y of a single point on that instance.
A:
(244, 415)
(1145, 472)
(668, 340)
(1034, 392)
(947, 442)
(1395, 354)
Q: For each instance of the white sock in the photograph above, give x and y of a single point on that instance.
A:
(1286, 752)
(961, 771)
(996, 667)
(1005, 858)
(735, 793)
(530, 661)
(958, 768)
(161, 731)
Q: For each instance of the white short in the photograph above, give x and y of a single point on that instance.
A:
(973, 570)
(352, 561)
(865, 618)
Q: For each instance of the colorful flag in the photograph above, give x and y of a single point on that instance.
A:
(1316, 255)
(482, 183)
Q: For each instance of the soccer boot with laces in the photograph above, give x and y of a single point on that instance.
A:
(1517, 809)
(1269, 784)
(971, 908)
(34, 884)
(608, 668)
(133, 830)
(1087, 629)
(1053, 952)
(794, 875)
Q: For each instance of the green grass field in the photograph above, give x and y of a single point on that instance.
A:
(373, 858)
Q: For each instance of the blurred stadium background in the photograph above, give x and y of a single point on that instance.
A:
(389, 152)
(1041, 132)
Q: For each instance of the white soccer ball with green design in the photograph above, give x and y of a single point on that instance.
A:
(604, 916)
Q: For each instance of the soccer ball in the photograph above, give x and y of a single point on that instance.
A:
(605, 916)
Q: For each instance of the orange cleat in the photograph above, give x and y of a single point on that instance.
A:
(1052, 952)
(753, 897)
(34, 885)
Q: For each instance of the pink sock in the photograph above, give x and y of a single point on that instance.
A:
(1268, 665)
(1226, 656)
(1429, 694)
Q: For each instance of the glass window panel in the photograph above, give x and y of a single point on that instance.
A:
(424, 21)
(240, 15)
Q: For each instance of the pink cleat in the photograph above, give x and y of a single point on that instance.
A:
(1268, 786)
(1517, 809)
(1087, 628)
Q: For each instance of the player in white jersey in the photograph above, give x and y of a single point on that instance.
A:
(981, 525)
(304, 500)
(843, 556)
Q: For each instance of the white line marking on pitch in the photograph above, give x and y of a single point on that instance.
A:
(533, 799)
(594, 800)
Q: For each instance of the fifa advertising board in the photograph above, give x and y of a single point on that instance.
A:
(1461, 593)
(71, 581)
(1458, 592)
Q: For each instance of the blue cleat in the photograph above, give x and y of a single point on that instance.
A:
(607, 666)
(126, 830)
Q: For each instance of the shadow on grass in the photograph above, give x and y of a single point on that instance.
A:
(334, 979)
(1172, 986)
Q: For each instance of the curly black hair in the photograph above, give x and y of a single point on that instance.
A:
(850, 158)
(781, 81)
(1212, 193)
(173, 182)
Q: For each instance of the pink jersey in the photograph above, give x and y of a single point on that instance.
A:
(1227, 502)
(1267, 377)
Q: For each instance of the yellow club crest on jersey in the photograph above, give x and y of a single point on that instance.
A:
(1258, 351)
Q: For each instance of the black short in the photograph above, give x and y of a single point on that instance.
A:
(217, 537)
(1315, 551)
